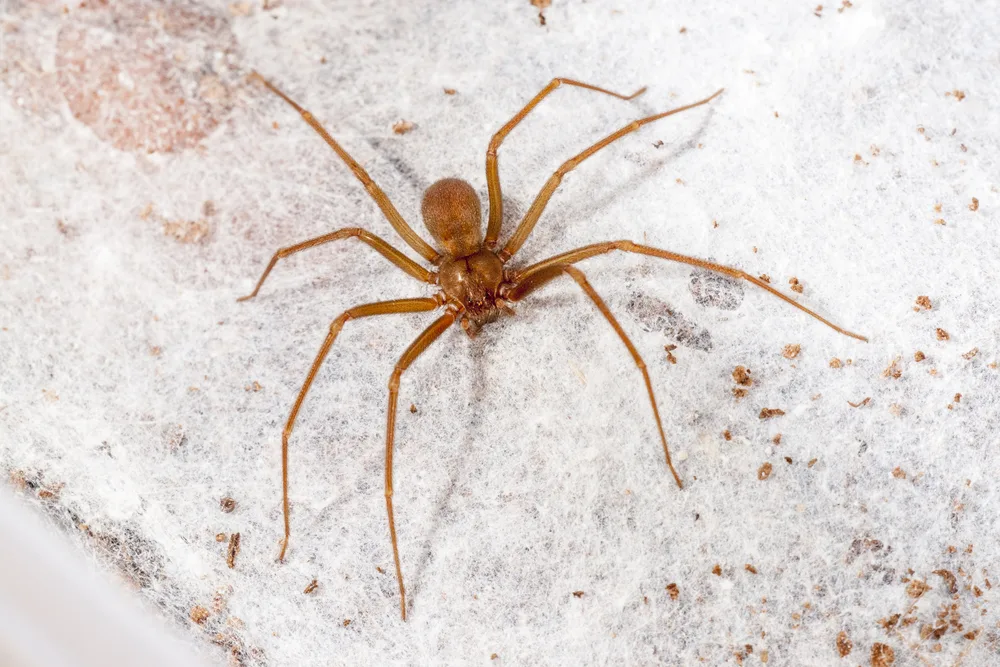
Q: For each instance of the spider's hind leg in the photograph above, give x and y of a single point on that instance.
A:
(532, 280)
(367, 310)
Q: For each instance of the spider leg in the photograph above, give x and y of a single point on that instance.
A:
(492, 169)
(384, 248)
(390, 212)
(367, 310)
(541, 201)
(536, 279)
(416, 348)
(574, 256)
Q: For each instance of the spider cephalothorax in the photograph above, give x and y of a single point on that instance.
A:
(476, 286)
(468, 274)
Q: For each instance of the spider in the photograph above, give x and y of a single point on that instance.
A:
(476, 286)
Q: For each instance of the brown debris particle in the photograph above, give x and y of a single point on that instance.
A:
(413, 408)
(898, 473)
(923, 302)
(949, 580)
(187, 231)
(865, 401)
(233, 550)
(971, 353)
(742, 376)
(740, 392)
(776, 439)
(727, 435)
(811, 463)
(844, 644)
(768, 413)
(971, 636)
(942, 334)
(220, 537)
(764, 471)
(670, 353)
(18, 480)
(750, 568)
(658, 143)
(974, 206)
(882, 655)
(715, 224)
(764, 277)
(896, 409)
(940, 221)
(402, 127)
(959, 95)
(683, 30)
(541, 4)
(919, 356)
(450, 91)
(199, 614)
(916, 588)
(791, 351)
(313, 585)
(893, 370)
(836, 363)
(958, 398)
(347, 622)
(578, 594)
(255, 386)
(795, 284)
(227, 505)
(674, 591)
(717, 570)
(888, 623)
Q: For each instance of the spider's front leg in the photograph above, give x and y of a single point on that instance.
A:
(492, 168)
(529, 281)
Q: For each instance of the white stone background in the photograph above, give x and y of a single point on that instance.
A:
(840, 154)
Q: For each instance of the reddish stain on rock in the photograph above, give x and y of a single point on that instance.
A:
(147, 76)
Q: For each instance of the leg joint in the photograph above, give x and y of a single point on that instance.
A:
(394, 379)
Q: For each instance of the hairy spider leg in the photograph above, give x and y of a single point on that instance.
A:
(366, 310)
(384, 248)
(416, 348)
(574, 256)
(541, 201)
(492, 169)
(536, 279)
(392, 215)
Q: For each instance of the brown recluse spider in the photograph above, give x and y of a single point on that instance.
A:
(476, 286)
